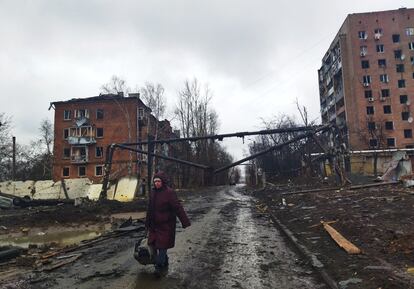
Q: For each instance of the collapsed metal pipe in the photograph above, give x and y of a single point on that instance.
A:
(276, 147)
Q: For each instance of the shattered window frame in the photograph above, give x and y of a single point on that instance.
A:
(66, 114)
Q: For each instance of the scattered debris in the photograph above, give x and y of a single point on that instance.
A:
(340, 240)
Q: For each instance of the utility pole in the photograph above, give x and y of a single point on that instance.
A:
(14, 160)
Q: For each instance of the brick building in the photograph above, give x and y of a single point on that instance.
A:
(366, 80)
(85, 127)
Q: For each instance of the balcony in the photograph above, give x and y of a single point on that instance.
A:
(82, 140)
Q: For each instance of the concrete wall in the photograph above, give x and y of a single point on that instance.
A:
(124, 190)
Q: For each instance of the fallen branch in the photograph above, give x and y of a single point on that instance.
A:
(341, 240)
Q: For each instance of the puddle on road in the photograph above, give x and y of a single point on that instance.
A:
(57, 236)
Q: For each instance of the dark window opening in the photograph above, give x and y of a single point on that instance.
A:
(396, 38)
(99, 114)
(370, 110)
(65, 172)
(365, 64)
(401, 83)
(382, 62)
(397, 54)
(99, 152)
(403, 98)
(391, 142)
(82, 171)
(371, 125)
(65, 133)
(99, 132)
(387, 109)
(408, 133)
(66, 115)
(98, 171)
(368, 93)
(389, 125)
(385, 92)
(400, 68)
(405, 115)
(66, 153)
(373, 143)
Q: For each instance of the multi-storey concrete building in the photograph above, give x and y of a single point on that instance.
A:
(366, 80)
(85, 127)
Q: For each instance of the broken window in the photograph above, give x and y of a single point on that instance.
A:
(389, 125)
(368, 93)
(98, 170)
(99, 132)
(401, 83)
(80, 113)
(99, 152)
(66, 115)
(365, 64)
(99, 113)
(370, 110)
(408, 133)
(382, 62)
(65, 172)
(396, 38)
(384, 78)
(378, 33)
(79, 154)
(411, 45)
(65, 133)
(362, 35)
(373, 143)
(366, 80)
(403, 99)
(380, 48)
(391, 142)
(397, 54)
(363, 50)
(405, 115)
(385, 92)
(400, 67)
(81, 171)
(387, 109)
(409, 31)
(371, 125)
(66, 153)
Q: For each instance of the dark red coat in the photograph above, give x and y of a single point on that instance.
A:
(163, 210)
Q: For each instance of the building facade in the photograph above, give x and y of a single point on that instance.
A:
(366, 81)
(85, 127)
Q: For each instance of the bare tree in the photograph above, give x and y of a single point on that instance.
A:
(115, 86)
(5, 146)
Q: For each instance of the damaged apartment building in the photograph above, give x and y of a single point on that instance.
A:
(85, 127)
(366, 85)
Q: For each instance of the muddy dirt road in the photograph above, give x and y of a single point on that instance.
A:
(229, 245)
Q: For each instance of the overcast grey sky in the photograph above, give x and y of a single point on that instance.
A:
(257, 56)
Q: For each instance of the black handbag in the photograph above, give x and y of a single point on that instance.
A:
(143, 253)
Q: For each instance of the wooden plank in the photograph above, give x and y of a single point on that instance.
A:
(341, 240)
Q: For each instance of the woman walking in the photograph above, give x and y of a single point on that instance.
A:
(163, 210)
